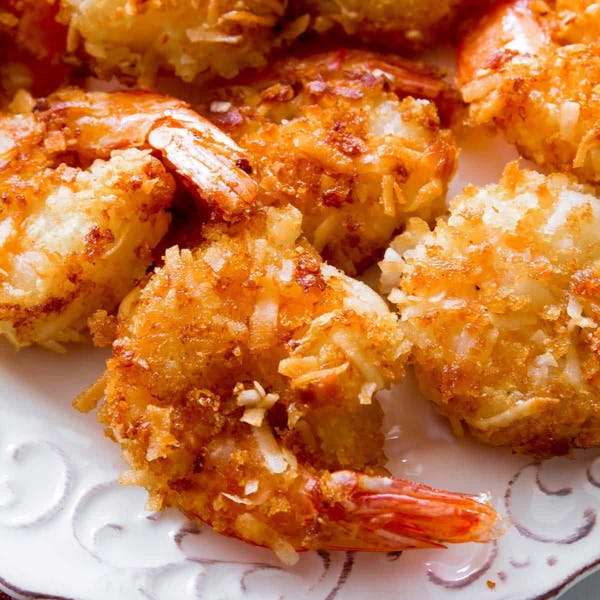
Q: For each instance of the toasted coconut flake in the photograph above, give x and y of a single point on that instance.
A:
(89, 399)
(263, 322)
(366, 393)
(237, 499)
(255, 397)
(307, 379)
(254, 416)
(251, 487)
(500, 302)
(518, 411)
(160, 439)
(296, 366)
(575, 311)
(248, 398)
(388, 195)
(269, 448)
(351, 347)
(133, 477)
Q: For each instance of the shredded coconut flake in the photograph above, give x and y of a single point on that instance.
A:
(269, 448)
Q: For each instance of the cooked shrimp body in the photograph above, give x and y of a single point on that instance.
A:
(532, 69)
(183, 36)
(75, 240)
(502, 303)
(396, 24)
(241, 391)
(83, 201)
(351, 138)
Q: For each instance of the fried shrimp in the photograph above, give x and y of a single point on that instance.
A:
(191, 39)
(351, 138)
(532, 69)
(397, 24)
(83, 201)
(241, 391)
(502, 303)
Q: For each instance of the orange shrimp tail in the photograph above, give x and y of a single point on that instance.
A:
(510, 28)
(209, 164)
(384, 514)
(207, 161)
(405, 77)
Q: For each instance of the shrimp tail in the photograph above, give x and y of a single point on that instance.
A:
(384, 514)
(405, 78)
(510, 29)
(207, 161)
(212, 170)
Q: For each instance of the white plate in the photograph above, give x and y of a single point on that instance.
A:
(68, 530)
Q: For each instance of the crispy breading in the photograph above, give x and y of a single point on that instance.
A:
(351, 138)
(502, 303)
(253, 303)
(532, 70)
(83, 200)
(75, 240)
(243, 373)
(189, 38)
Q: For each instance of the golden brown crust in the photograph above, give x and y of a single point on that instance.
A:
(532, 69)
(351, 138)
(194, 40)
(74, 240)
(84, 200)
(501, 303)
(247, 337)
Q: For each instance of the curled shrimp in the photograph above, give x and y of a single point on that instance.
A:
(207, 161)
(354, 139)
(84, 201)
(241, 392)
(502, 303)
(532, 69)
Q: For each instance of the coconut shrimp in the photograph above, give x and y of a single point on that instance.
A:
(396, 24)
(84, 201)
(191, 39)
(532, 69)
(241, 392)
(351, 138)
(502, 303)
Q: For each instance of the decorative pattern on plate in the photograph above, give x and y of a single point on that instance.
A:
(583, 525)
(181, 560)
(58, 491)
(22, 506)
